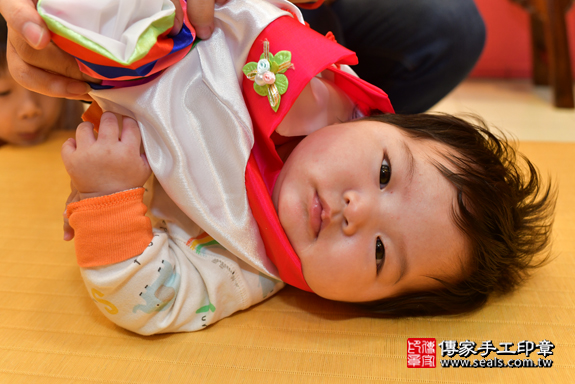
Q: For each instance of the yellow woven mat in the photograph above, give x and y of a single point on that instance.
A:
(51, 331)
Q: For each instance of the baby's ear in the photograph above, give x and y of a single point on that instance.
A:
(93, 115)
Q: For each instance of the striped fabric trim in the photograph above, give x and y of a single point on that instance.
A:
(202, 241)
(155, 50)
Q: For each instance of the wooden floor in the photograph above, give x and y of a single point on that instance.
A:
(514, 106)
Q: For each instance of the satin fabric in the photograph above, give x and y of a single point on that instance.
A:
(197, 131)
(124, 40)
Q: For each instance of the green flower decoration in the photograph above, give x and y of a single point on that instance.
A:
(268, 75)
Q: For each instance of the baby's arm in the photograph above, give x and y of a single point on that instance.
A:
(167, 279)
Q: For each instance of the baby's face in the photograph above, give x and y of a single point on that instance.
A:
(26, 117)
(368, 213)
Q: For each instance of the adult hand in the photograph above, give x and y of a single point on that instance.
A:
(35, 62)
(310, 2)
(39, 65)
(108, 163)
(200, 14)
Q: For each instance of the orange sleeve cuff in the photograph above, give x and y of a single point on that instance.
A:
(315, 5)
(110, 229)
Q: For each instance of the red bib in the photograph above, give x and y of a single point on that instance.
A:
(311, 53)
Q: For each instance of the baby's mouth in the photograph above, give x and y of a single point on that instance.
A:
(315, 216)
(30, 137)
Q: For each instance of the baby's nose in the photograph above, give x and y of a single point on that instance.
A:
(356, 212)
(29, 107)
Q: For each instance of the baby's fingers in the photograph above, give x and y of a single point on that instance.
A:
(68, 148)
(109, 130)
(68, 230)
(131, 133)
(85, 135)
(72, 198)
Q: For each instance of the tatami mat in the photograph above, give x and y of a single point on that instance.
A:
(51, 331)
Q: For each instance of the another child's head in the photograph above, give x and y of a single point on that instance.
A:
(413, 214)
(26, 117)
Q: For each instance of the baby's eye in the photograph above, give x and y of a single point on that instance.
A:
(5, 93)
(379, 255)
(384, 174)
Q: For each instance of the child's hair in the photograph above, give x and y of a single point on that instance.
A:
(504, 211)
(3, 43)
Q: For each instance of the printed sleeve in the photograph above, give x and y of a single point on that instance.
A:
(111, 228)
(174, 283)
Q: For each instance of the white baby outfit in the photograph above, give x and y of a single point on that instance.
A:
(198, 135)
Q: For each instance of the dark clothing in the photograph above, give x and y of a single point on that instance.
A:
(415, 50)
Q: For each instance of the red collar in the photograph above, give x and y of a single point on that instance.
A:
(311, 54)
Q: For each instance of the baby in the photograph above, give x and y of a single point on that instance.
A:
(415, 215)
(26, 118)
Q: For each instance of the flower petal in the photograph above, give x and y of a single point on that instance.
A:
(281, 83)
(261, 90)
(282, 57)
(250, 67)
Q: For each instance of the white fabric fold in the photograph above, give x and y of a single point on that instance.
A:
(112, 24)
(197, 131)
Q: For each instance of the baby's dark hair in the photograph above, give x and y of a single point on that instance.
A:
(3, 43)
(504, 211)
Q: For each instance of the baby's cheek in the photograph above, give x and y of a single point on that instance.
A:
(51, 110)
(328, 272)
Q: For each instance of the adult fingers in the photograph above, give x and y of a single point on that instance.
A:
(51, 58)
(201, 16)
(179, 19)
(23, 19)
(85, 135)
(44, 82)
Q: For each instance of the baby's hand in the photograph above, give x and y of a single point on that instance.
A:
(107, 164)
